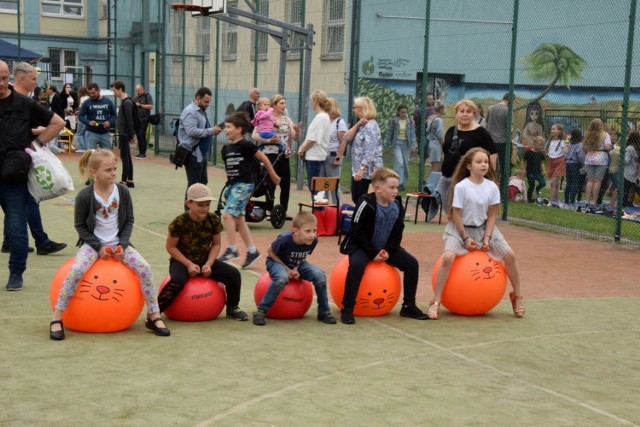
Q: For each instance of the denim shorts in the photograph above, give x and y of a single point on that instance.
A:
(596, 171)
(237, 196)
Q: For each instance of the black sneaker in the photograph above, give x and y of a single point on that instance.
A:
(15, 282)
(7, 250)
(236, 313)
(140, 157)
(413, 312)
(251, 258)
(327, 318)
(228, 255)
(50, 247)
(346, 316)
(258, 318)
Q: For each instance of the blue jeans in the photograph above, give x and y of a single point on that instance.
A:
(314, 168)
(280, 277)
(98, 140)
(35, 224)
(532, 178)
(80, 131)
(401, 160)
(13, 199)
(332, 171)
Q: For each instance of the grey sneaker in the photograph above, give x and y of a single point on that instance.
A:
(251, 258)
(15, 282)
(327, 318)
(236, 314)
(228, 255)
(258, 318)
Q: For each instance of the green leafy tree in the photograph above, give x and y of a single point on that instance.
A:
(553, 63)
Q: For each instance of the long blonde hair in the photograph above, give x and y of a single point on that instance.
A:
(594, 136)
(369, 111)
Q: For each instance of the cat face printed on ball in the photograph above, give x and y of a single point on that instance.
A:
(375, 298)
(485, 268)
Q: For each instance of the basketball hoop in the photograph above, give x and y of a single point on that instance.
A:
(190, 8)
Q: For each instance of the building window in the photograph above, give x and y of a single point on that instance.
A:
(294, 16)
(177, 33)
(204, 36)
(9, 6)
(61, 58)
(104, 9)
(63, 8)
(263, 38)
(333, 30)
(230, 37)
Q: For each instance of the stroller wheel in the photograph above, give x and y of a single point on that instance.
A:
(278, 216)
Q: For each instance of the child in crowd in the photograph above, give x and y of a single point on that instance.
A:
(103, 217)
(194, 242)
(517, 187)
(376, 235)
(556, 149)
(574, 160)
(263, 119)
(533, 163)
(631, 169)
(475, 200)
(239, 160)
(287, 260)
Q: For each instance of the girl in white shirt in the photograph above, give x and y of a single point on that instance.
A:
(474, 203)
(556, 149)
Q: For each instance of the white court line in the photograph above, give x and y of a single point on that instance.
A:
(275, 393)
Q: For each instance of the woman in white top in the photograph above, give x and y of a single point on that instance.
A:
(337, 143)
(315, 149)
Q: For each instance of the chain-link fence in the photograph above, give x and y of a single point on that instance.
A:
(566, 62)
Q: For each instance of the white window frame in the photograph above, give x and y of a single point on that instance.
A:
(293, 15)
(12, 10)
(61, 4)
(204, 36)
(263, 38)
(333, 24)
(58, 75)
(230, 37)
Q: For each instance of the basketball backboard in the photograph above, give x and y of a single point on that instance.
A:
(213, 6)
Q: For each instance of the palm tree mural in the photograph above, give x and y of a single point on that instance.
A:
(554, 63)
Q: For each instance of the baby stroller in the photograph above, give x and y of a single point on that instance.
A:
(264, 191)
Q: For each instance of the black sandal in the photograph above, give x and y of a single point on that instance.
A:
(151, 325)
(56, 335)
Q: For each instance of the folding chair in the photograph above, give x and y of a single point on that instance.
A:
(327, 185)
(432, 184)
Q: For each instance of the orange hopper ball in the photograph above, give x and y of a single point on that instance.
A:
(379, 289)
(201, 299)
(475, 285)
(293, 301)
(108, 297)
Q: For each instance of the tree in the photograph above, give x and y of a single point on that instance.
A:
(554, 63)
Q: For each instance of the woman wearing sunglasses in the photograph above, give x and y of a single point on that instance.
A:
(459, 139)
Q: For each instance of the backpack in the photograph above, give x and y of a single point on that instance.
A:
(137, 123)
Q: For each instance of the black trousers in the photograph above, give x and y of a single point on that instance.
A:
(142, 135)
(400, 259)
(283, 169)
(125, 157)
(220, 272)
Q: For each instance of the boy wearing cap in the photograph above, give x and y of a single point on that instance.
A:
(194, 242)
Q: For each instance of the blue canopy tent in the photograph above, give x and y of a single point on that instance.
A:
(9, 51)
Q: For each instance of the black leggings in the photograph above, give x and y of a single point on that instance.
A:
(283, 170)
(220, 272)
(400, 259)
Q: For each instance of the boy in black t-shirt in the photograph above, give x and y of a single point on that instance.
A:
(239, 161)
(194, 242)
(534, 163)
(288, 260)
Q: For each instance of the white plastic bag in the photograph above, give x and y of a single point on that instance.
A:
(48, 178)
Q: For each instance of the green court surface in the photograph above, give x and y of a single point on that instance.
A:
(569, 362)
